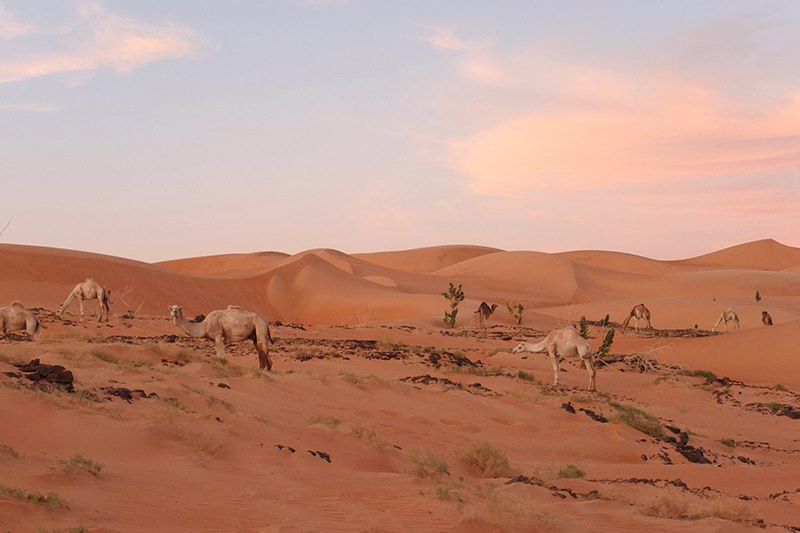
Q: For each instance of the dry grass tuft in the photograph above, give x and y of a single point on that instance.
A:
(78, 462)
(485, 459)
(428, 466)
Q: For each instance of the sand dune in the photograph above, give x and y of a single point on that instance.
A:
(416, 420)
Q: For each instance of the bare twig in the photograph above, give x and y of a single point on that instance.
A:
(10, 220)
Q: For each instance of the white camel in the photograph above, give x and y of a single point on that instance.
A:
(728, 316)
(229, 325)
(16, 318)
(563, 343)
(89, 289)
(639, 312)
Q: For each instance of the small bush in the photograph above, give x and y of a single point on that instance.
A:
(730, 443)
(639, 420)
(780, 388)
(707, 374)
(330, 421)
(8, 450)
(428, 466)
(454, 295)
(51, 498)
(758, 296)
(584, 328)
(104, 356)
(366, 435)
(516, 309)
(570, 472)
(82, 463)
(731, 510)
(671, 507)
(486, 459)
(605, 348)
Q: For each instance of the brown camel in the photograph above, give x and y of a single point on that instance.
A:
(16, 318)
(639, 312)
(226, 326)
(563, 343)
(484, 312)
(766, 318)
(88, 290)
(728, 316)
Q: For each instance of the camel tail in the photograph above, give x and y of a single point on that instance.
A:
(33, 327)
(263, 336)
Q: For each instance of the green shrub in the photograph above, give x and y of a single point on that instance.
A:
(730, 443)
(486, 459)
(82, 463)
(454, 295)
(639, 420)
(428, 466)
(570, 472)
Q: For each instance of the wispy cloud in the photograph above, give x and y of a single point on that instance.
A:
(29, 108)
(103, 40)
(445, 38)
(11, 27)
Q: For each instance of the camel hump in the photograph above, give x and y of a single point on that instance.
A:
(17, 303)
(234, 307)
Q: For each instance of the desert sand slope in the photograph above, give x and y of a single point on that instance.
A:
(228, 265)
(758, 255)
(43, 277)
(546, 277)
(425, 259)
(622, 262)
(761, 355)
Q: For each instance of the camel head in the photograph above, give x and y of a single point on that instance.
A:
(521, 347)
(494, 306)
(176, 311)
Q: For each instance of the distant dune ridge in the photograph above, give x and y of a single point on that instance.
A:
(326, 286)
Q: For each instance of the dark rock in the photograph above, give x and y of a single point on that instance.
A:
(594, 416)
(223, 386)
(568, 407)
(694, 455)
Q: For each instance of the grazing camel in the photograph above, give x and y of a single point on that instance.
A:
(88, 290)
(16, 318)
(766, 318)
(728, 316)
(484, 312)
(226, 326)
(639, 312)
(563, 343)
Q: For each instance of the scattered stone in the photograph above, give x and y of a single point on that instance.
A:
(594, 416)
(283, 446)
(745, 460)
(223, 386)
(322, 455)
(127, 394)
(40, 374)
(694, 455)
(218, 419)
(568, 407)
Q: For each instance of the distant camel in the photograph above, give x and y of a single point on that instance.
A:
(88, 290)
(639, 312)
(226, 326)
(728, 316)
(563, 343)
(484, 312)
(16, 318)
(766, 318)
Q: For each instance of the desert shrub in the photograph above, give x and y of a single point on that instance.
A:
(606, 321)
(707, 374)
(570, 472)
(584, 328)
(428, 466)
(104, 356)
(78, 462)
(758, 296)
(366, 435)
(639, 420)
(733, 510)
(8, 450)
(454, 295)
(780, 388)
(608, 340)
(730, 443)
(324, 420)
(51, 498)
(671, 507)
(485, 459)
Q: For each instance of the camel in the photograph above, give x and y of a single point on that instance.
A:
(766, 318)
(639, 312)
(16, 318)
(484, 312)
(563, 343)
(88, 290)
(728, 316)
(226, 326)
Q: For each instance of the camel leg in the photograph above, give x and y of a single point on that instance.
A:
(592, 372)
(554, 361)
(264, 361)
(219, 343)
(82, 308)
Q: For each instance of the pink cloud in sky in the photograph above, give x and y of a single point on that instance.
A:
(445, 38)
(604, 128)
(11, 27)
(104, 40)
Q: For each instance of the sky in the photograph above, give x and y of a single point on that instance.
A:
(156, 130)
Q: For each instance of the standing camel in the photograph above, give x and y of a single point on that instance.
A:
(766, 318)
(563, 343)
(88, 290)
(226, 326)
(16, 318)
(728, 316)
(639, 312)
(484, 312)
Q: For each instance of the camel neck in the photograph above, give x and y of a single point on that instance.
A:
(192, 329)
